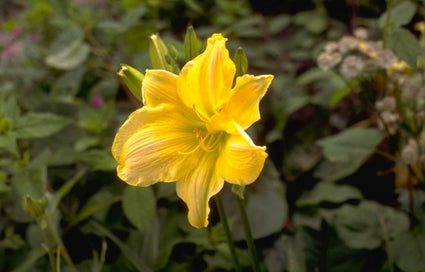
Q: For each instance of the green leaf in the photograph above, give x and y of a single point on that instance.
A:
(313, 21)
(192, 45)
(99, 159)
(278, 23)
(38, 125)
(95, 203)
(347, 151)
(30, 259)
(405, 45)
(401, 14)
(241, 62)
(328, 192)
(369, 224)
(133, 79)
(351, 143)
(30, 182)
(341, 93)
(324, 251)
(68, 84)
(408, 251)
(139, 205)
(70, 57)
(263, 221)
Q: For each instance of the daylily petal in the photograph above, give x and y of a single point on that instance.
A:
(159, 86)
(198, 186)
(241, 161)
(149, 145)
(243, 106)
(205, 82)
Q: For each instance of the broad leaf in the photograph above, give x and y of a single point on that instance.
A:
(405, 45)
(408, 251)
(139, 205)
(38, 125)
(401, 14)
(347, 151)
(328, 192)
(71, 56)
(369, 224)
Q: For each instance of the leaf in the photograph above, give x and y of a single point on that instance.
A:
(278, 23)
(30, 259)
(401, 14)
(100, 159)
(405, 45)
(324, 251)
(71, 56)
(346, 152)
(139, 205)
(369, 224)
(68, 84)
(328, 192)
(341, 93)
(95, 203)
(38, 125)
(268, 191)
(351, 144)
(408, 251)
(30, 182)
(313, 21)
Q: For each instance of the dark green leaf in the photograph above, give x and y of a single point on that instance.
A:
(95, 203)
(369, 224)
(401, 14)
(139, 205)
(405, 45)
(38, 125)
(408, 251)
(328, 192)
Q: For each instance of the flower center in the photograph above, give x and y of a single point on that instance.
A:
(208, 142)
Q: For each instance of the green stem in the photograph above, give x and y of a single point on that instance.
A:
(225, 223)
(61, 247)
(248, 235)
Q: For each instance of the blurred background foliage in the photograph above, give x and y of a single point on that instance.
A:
(335, 193)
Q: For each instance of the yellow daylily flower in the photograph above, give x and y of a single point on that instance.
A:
(190, 130)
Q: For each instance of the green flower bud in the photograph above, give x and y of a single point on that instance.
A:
(241, 62)
(157, 53)
(133, 79)
(192, 45)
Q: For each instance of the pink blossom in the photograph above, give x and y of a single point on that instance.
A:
(32, 37)
(96, 101)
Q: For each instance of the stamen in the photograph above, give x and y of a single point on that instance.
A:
(199, 114)
(208, 143)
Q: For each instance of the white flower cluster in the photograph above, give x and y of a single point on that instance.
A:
(410, 152)
(389, 117)
(353, 55)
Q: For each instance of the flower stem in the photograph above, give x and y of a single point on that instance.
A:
(225, 223)
(248, 235)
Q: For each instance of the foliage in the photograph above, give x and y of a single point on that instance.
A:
(342, 190)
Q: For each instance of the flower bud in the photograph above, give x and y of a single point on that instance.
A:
(192, 45)
(133, 79)
(157, 53)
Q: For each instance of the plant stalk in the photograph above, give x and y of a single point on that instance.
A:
(248, 235)
(225, 223)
